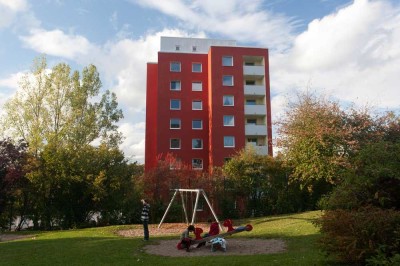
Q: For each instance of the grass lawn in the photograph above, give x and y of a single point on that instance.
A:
(100, 246)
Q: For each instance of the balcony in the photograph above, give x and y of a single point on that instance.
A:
(261, 150)
(254, 90)
(259, 109)
(254, 71)
(255, 130)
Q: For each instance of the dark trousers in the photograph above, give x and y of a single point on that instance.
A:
(146, 230)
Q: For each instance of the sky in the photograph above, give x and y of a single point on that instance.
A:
(346, 49)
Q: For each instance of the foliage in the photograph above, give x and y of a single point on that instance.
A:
(312, 139)
(363, 217)
(57, 107)
(353, 236)
(75, 171)
(381, 259)
(169, 174)
(80, 183)
(12, 180)
(262, 184)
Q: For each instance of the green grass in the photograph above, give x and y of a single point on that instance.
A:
(101, 246)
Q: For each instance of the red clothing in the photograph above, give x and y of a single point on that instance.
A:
(214, 229)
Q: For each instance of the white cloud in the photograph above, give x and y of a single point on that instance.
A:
(16, 14)
(245, 21)
(9, 11)
(15, 5)
(57, 43)
(133, 145)
(352, 54)
(11, 81)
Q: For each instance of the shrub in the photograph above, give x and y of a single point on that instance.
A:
(356, 235)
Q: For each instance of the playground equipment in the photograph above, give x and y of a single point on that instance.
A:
(227, 223)
(198, 193)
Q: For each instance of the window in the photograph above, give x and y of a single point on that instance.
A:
(227, 61)
(175, 66)
(175, 104)
(196, 67)
(250, 82)
(174, 143)
(177, 48)
(228, 100)
(252, 140)
(197, 164)
(197, 144)
(229, 141)
(229, 120)
(197, 86)
(197, 124)
(194, 48)
(251, 121)
(250, 102)
(227, 80)
(175, 123)
(175, 85)
(197, 105)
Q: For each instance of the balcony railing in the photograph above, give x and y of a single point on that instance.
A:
(254, 70)
(261, 150)
(255, 130)
(254, 90)
(259, 109)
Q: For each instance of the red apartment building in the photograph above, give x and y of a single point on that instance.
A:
(206, 100)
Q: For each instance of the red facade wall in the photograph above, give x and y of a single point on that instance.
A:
(186, 114)
(158, 113)
(151, 116)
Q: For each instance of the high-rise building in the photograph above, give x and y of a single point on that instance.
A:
(206, 100)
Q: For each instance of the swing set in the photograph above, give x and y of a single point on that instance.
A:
(185, 191)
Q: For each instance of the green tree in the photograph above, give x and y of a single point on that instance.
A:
(57, 106)
(61, 114)
(13, 183)
(313, 139)
(261, 183)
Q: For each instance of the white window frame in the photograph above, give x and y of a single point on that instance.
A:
(196, 86)
(197, 71)
(229, 124)
(229, 82)
(173, 108)
(233, 140)
(174, 148)
(201, 144)
(176, 82)
(172, 68)
(200, 163)
(177, 119)
(195, 102)
(201, 124)
(230, 96)
(227, 57)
